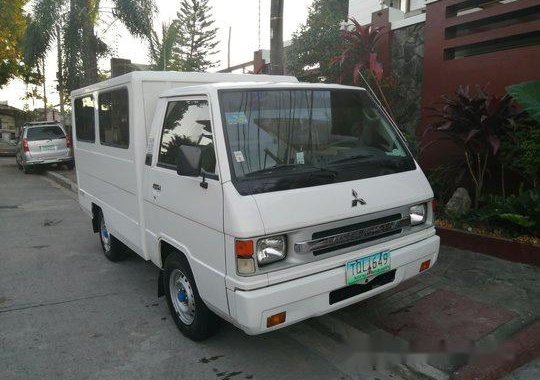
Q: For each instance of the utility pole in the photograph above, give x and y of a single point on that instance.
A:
(60, 73)
(276, 37)
(229, 49)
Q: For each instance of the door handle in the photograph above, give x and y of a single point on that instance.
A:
(157, 187)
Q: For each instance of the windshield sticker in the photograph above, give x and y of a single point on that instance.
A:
(239, 156)
(396, 153)
(235, 118)
(300, 158)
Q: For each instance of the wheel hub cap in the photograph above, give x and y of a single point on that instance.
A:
(105, 236)
(182, 296)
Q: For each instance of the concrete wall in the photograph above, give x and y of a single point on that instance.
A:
(407, 65)
(7, 122)
(362, 9)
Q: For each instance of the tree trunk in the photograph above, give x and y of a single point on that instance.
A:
(276, 37)
(44, 90)
(89, 51)
(60, 74)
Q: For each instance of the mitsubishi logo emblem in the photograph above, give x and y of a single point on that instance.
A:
(357, 200)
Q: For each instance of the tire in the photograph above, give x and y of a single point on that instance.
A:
(113, 249)
(191, 315)
(70, 165)
(27, 169)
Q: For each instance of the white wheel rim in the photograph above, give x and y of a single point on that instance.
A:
(105, 236)
(182, 296)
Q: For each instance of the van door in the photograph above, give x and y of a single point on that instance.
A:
(177, 208)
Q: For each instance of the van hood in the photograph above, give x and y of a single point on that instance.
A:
(288, 210)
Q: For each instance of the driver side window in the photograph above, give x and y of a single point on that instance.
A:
(187, 122)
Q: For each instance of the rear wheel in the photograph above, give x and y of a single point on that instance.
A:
(113, 249)
(70, 165)
(27, 169)
(188, 310)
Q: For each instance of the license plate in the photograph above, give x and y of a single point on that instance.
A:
(361, 269)
(47, 147)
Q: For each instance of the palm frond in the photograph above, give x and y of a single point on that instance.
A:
(41, 28)
(136, 15)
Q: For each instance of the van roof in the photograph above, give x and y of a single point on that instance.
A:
(177, 76)
(204, 88)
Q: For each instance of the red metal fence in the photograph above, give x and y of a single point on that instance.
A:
(477, 43)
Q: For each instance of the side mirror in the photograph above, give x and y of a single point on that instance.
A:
(189, 161)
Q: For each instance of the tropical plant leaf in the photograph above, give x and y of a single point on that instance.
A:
(528, 95)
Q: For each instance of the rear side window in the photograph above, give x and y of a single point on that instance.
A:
(45, 133)
(84, 119)
(114, 118)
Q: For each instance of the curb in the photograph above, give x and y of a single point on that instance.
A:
(62, 181)
(521, 348)
(505, 249)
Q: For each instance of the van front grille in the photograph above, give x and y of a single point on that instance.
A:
(355, 234)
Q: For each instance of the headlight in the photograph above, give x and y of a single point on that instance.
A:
(418, 214)
(271, 249)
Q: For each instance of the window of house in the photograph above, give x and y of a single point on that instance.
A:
(84, 119)
(187, 122)
(114, 118)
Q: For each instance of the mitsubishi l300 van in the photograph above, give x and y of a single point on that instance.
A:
(262, 200)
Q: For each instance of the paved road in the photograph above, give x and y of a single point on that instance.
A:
(67, 312)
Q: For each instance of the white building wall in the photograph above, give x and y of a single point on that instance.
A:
(362, 9)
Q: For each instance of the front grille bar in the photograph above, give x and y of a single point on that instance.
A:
(351, 236)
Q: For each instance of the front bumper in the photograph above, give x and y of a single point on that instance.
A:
(309, 296)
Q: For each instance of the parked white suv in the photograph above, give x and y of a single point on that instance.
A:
(43, 144)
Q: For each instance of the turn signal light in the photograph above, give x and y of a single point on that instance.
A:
(243, 248)
(425, 265)
(276, 319)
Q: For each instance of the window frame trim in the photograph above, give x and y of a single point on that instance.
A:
(106, 91)
(195, 97)
(88, 95)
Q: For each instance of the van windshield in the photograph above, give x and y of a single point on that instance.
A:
(290, 138)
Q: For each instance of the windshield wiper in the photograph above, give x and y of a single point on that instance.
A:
(312, 170)
(351, 158)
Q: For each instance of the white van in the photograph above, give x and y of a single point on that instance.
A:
(263, 201)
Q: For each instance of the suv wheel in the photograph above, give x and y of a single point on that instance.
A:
(188, 310)
(113, 249)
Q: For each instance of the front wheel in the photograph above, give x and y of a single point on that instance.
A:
(188, 310)
(113, 249)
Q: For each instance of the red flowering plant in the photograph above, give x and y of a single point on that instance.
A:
(358, 61)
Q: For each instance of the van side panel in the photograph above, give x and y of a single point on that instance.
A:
(114, 190)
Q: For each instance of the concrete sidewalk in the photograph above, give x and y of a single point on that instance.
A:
(470, 317)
